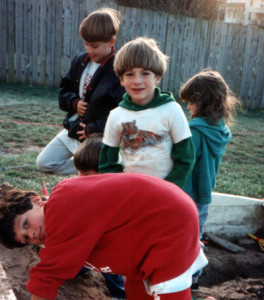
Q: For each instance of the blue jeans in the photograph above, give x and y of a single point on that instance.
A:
(203, 213)
(114, 283)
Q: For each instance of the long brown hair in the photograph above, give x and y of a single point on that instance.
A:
(212, 96)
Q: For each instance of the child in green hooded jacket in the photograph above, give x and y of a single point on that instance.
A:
(148, 128)
(211, 104)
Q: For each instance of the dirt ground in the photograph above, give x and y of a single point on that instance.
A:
(227, 276)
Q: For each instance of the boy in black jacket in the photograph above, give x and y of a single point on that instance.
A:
(87, 92)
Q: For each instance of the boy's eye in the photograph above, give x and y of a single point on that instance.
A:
(26, 224)
(128, 74)
(146, 73)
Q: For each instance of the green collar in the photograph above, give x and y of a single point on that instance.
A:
(159, 99)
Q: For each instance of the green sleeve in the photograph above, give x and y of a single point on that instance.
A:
(108, 161)
(183, 155)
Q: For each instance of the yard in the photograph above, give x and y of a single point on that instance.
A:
(30, 118)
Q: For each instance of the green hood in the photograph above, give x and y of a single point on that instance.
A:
(216, 137)
(159, 99)
(210, 147)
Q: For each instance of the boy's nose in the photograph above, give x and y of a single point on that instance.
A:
(32, 235)
(137, 79)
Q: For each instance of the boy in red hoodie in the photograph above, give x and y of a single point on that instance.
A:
(114, 223)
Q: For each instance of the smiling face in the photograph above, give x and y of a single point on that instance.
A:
(98, 51)
(29, 228)
(140, 84)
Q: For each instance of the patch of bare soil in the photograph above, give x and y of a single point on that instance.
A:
(18, 262)
(233, 276)
(228, 275)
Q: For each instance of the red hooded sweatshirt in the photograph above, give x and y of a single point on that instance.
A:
(134, 225)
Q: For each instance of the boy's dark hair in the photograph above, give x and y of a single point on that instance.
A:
(87, 155)
(13, 202)
(141, 52)
(100, 26)
(211, 95)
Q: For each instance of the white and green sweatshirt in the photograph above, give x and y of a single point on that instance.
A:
(154, 139)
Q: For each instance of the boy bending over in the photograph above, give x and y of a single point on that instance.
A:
(94, 221)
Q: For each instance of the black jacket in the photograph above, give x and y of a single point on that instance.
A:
(103, 93)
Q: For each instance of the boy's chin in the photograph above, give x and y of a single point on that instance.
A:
(95, 60)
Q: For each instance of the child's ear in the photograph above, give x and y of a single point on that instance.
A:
(121, 81)
(158, 79)
(37, 200)
(112, 42)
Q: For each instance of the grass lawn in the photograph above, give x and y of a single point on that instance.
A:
(30, 118)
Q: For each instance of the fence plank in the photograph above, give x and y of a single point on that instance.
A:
(179, 35)
(227, 53)
(250, 51)
(11, 40)
(126, 27)
(58, 42)
(35, 40)
(169, 51)
(51, 42)
(239, 50)
(3, 38)
(43, 42)
(75, 27)
(258, 73)
(216, 45)
(204, 46)
(161, 38)
(120, 35)
(186, 55)
(27, 12)
(259, 92)
(222, 50)
(232, 56)
(82, 14)
(18, 41)
(66, 37)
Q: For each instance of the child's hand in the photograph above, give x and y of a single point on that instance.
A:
(82, 107)
(81, 133)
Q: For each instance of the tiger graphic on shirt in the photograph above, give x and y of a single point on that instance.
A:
(135, 138)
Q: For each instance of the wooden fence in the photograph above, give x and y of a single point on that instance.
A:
(39, 38)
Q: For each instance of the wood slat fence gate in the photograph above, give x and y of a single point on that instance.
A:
(39, 38)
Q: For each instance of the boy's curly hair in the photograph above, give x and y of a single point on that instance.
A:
(13, 202)
(211, 95)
